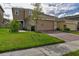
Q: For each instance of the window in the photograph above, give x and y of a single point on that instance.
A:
(17, 12)
(30, 12)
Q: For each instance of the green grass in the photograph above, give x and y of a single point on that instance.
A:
(75, 33)
(13, 41)
(75, 53)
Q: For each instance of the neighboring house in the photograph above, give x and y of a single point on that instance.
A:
(1, 16)
(45, 22)
(72, 22)
(6, 22)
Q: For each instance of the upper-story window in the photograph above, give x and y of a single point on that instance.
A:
(17, 11)
(30, 12)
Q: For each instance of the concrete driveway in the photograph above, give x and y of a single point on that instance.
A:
(66, 36)
(71, 44)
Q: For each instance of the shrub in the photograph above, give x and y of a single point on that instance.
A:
(14, 26)
(66, 30)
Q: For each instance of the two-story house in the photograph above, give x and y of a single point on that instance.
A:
(45, 23)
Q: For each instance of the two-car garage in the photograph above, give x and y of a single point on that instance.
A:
(45, 25)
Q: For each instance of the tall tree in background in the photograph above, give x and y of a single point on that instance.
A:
(36, 13)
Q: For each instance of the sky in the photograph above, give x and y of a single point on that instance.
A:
(54, 9)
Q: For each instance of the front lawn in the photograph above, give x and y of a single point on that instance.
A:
(13, 41)
(75, 53)
(75, 33)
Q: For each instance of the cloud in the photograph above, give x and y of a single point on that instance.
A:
(61, 15)
(22, 5)
(54, 9)
(63, 8)
(8, 8)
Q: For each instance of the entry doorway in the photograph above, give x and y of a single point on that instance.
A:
(21, 25)
(78, 26)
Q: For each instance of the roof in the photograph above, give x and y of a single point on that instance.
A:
(20, 8)
(1, 8)
(49, 15)
(76, 17)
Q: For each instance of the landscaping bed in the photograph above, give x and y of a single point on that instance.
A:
(22, 40)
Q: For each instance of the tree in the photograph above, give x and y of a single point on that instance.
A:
(36, 13)
(14, 26)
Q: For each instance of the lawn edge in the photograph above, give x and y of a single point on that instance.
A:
(31, 47)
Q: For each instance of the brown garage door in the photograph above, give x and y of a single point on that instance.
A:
(45, 25)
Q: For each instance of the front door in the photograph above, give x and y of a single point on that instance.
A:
(21, 25)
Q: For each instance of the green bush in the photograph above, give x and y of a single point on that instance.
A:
(67, 30)
(14, 26)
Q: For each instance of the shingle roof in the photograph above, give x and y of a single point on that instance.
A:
(76, 17)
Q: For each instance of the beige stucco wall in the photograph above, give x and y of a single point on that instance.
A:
(71, 24)
(55, 25)
(29, 24)
(60, 25)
